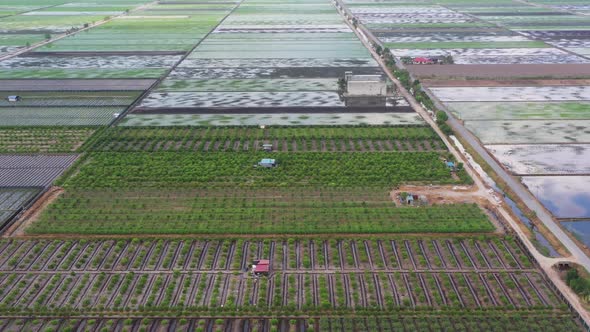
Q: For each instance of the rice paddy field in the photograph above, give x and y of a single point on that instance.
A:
(471, 32)
(261, 59)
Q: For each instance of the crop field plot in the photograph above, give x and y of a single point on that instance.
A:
(544, 159)
(504, 322)
(276, 119)
(42, 140)
(155, 225)
(375, 16)
(473, 56)
(12, 199)
(237, 211)
(326, 175)
(184, 169)
(564, 196)
(89, 67)
(508, 94)
(71, 99)
(309, 276)
(310, 139)
(169, 28)
(57, 116)
(531, 131)
(244, 99)
(520, 110)
(262, 57)
(32, 170)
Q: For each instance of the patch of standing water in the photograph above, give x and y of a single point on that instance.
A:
(579, 229)
(540, 239)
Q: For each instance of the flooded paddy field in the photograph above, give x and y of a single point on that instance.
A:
(531, 131)
(520, 110)
(508, 94)
(267, 59)
(580, 229)
(287, 119)
(564, 196)
(544, 159)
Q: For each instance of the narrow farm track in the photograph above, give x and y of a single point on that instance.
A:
(410, 254)
(509, 251)
(382, 255)
(453, 254)
(456, 290)
(312, 255)
(394, 289)
(395, 253)
(326, 252)
(423, 251)
(369, 254)
(468, 255)
(410, 291)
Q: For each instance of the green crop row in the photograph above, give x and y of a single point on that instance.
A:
(219, 169)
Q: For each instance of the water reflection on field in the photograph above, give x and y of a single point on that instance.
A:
(580, 229)
(564, 196)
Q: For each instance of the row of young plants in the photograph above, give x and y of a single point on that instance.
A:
(239, 293)
(283, 145)
(211, 170)
(183, 134)
(42, 139)
(483, 253)
(510, 321)
(253, 215)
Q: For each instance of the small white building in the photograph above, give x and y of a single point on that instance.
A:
(365, 85)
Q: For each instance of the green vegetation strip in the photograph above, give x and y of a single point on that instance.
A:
(185, 138)
(250, 211)
(220, 169)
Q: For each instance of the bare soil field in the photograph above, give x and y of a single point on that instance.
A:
(502, 71)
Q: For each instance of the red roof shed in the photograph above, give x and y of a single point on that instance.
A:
(262, 266)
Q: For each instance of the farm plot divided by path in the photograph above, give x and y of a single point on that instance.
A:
(516, 322)
(269, 119)
(204, 180)
(312, 276)
(43, 139)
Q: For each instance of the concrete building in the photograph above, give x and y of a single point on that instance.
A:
(365, 90)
